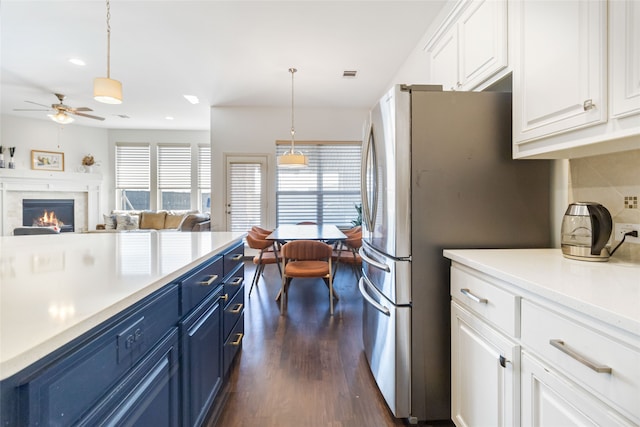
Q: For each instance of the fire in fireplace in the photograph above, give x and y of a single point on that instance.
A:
(49, 212)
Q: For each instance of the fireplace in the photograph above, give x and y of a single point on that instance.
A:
(49, 212)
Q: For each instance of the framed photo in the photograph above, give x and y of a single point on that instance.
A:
(47, 160)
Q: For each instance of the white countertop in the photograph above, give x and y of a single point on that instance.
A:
(608, 291)
(53, 288)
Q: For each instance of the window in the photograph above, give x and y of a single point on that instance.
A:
(163, 176)
(204, 178)
(327, 191)
(174, 176)
(133, 171)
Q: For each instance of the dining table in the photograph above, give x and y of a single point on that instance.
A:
(328, 233)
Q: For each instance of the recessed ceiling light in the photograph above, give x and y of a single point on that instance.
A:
(192, 99)
(349, 73)
(169, 118)
(77, 61)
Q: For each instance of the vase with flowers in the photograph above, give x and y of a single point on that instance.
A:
(88, 161)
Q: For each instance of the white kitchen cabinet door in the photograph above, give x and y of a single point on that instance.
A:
(625, 57)
(484, 373)
(482, 32)
(560, 68)
(550, 400)
(444, 60)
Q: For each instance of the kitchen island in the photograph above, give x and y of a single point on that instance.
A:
(70, 300)
(537, 338)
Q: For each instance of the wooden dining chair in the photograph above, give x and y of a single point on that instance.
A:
(266, 256)
(347, 253)
(306, 259)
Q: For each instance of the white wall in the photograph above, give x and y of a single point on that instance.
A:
(74, 140)
(254, 130)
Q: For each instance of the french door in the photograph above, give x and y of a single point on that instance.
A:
(246, 192)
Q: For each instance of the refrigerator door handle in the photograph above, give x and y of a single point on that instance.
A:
(361, 285)
(369, 209)
(372, 262)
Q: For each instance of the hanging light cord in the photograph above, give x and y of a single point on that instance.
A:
(293, 131)
(108, 40)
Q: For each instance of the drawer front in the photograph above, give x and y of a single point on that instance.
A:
(198, 285)
(571, 348)
(233, 343)
(232, 311)
(491, 303)
(233, 283)
(74, 384)
(233, 258)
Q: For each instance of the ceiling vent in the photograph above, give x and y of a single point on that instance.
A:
(349, 73)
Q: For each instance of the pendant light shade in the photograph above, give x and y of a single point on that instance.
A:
(292, 158)
(61, 117)
(106, 89)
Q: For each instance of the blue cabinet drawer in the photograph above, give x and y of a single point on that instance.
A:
(70, 385)
(233, 283)
(232, 311)
(232, 258)
(148, 396)
(233, 343)
(196, 287)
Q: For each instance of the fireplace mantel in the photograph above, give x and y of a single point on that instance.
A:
(25, 182)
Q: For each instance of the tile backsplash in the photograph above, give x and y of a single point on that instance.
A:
(612, 180)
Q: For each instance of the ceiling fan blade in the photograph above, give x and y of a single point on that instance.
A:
(42, 105)
(82, 109)
(87, 115)
(28, 109)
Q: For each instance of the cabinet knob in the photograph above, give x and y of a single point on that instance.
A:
(588, 105)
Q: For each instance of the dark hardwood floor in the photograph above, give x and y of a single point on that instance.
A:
(306, 368)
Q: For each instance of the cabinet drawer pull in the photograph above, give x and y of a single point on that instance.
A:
(237, 309)
(588, 105)
(236, 281)
(236, 257)
(560, 345)
(212, 278)
(238, 340)
(224, 297)
(467, 293)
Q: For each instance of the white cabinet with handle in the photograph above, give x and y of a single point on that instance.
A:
(576, 77)
(540, 340)
(471, 46)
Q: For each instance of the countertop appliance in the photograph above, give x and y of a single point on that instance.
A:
(437, 173)
(586, 228)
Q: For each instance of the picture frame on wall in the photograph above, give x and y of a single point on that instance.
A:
(47, 160)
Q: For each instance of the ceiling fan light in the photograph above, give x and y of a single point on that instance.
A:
(293, 160)
(61, 117)
(106, 90)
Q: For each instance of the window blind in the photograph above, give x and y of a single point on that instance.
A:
(326, 191)
(174, 166)
(133, 166)
(204, 166)
(245, 195)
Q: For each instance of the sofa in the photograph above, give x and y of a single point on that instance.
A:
(177, 220)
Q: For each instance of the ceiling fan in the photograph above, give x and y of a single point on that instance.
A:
(62, 111)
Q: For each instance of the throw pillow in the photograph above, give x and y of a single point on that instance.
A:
(154, 220)
(109, 221)
(127, 222)
(173, 220)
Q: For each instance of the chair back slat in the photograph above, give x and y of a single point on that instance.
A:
(306, 250)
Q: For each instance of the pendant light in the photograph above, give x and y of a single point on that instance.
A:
(106, 89)
(292, 158)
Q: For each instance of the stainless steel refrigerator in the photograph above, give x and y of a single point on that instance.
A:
(437, 173)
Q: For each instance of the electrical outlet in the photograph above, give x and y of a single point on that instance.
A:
(621, 229)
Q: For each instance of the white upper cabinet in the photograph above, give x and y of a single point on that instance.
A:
(471, 46)
(625, 57)
(576, 77)
(560, 67)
